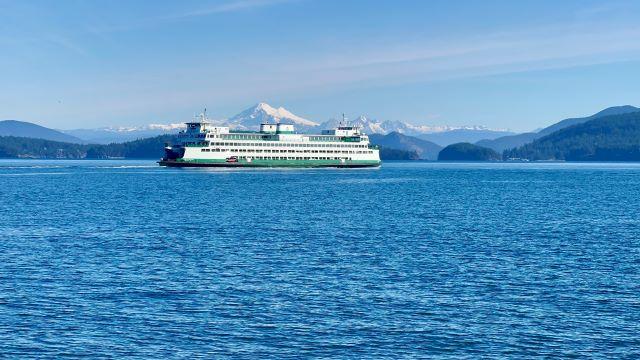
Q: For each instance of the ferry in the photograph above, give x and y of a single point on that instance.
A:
(204, 144)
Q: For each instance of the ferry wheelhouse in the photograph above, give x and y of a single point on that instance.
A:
(275, 145)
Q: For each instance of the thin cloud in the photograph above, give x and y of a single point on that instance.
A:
(607, 9)
(478, 56)
(227, 7)
(534, 45)
(535, 49)
(66, 43)
(232, 6)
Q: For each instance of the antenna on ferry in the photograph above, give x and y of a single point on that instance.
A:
(344, 120)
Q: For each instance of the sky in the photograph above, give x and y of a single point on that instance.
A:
(517, 65)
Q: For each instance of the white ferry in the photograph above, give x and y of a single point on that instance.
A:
(275, 145)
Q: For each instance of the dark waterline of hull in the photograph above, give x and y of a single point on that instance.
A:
(245, 165)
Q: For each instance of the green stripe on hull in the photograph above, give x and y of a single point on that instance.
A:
(268, 163)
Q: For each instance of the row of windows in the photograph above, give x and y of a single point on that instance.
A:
(265, 137)
(284, 144)
(336, 147)
(242, 137)
(324, 138)
(295, 157)
(288, 151)
(271, 137)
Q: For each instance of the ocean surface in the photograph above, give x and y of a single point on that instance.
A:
(413, 260)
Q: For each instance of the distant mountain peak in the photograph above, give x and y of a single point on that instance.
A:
(362, 118)
(27, 129)
(264, 107)
(265, 113)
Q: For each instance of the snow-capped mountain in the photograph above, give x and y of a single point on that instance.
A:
(441, 135)
(368, 126)
(166, 127)
(372, 126)
(251, 118)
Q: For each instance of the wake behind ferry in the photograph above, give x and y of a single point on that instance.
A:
(275, 145)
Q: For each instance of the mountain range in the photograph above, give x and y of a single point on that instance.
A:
(441, 135)
(251, 118)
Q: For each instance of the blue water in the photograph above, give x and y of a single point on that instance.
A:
(123, 258)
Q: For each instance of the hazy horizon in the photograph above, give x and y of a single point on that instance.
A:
(500, 64)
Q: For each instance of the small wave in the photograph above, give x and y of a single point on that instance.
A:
(36, 174)
(35, 167)
(516, 181)
(124, 167)
(375, 181)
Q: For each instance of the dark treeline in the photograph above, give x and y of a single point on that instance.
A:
(22, 147)
(610, 138)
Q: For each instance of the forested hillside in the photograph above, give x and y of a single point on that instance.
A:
(610, 138)
(467, 152)
(22, 147)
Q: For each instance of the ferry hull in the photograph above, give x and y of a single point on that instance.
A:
(270, 163)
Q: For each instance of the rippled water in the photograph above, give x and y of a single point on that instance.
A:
(123, 258)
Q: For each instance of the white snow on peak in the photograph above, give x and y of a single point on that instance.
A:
(166, 127)
(149, 127)
(252, 117)
(372, 126)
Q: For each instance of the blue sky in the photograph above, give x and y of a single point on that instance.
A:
(505, 64)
